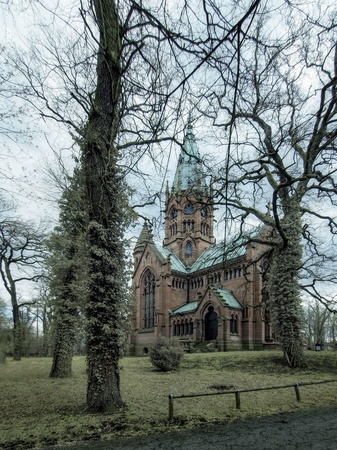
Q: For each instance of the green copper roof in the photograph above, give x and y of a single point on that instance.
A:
(176, 264)
(227, 298)
(214, 255)
(185, 309)
(189, 173)
(221, 252)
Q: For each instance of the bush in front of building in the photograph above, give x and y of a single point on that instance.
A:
(166, 354)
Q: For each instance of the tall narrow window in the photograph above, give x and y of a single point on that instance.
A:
(188, 249)
(191, 327)
(149, 300)
(236, 328)
(231, 328)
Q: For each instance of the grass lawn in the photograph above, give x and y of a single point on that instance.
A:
(37, 411)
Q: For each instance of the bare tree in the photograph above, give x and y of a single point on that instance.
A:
(121, 87)
(43, 313)
(318, 324)
(278, 116)
(5, 331)
(22, 257)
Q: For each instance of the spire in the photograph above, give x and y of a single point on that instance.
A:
(189, 173)
(144, 238)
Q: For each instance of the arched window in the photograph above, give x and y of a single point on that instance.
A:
(174, 329)
(234, 324)
(188, 249)
(231, 327)
(191, 327)
(173, 213)
(149, 299)
(236, 327)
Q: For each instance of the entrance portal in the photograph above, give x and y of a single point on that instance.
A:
(211, 324)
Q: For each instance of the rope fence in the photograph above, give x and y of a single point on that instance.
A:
(238, 392)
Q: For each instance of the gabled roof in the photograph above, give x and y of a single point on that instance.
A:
(212, 256)
(176, 264)
(227, 298)
(216, 254)
(185, 309)
(223, 251)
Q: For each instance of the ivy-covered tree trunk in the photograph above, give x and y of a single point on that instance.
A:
(68, 282)
(65, 331)
(106, 196)
(284, 287)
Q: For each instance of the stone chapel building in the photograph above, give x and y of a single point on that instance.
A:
(207, 294)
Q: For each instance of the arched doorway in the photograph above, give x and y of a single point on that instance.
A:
(211, 324)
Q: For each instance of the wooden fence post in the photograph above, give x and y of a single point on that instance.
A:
(237, 398)
(170, 417)
(297, 390)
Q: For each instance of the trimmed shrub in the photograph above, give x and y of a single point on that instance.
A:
(166, 354)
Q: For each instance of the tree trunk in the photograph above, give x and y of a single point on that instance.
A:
(64, 342)
(106, 211)
(66, 320)
(17, 348)
(3, 346)
(284, 288)
(46, 333)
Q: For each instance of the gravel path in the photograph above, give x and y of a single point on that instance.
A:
(310, 430)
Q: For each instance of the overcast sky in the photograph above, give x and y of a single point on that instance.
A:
(27, 150)
(25, 161)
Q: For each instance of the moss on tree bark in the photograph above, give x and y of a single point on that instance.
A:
(107, 206)
(284, 286)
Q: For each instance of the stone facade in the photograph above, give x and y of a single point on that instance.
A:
(207, 294)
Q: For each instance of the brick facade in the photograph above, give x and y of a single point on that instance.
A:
(204, 293)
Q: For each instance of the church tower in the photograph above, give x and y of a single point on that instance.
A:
(189, 213)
